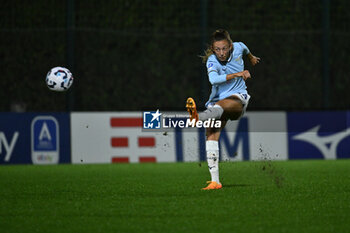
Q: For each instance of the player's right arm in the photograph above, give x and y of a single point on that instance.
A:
(245, 74)
(213, 73)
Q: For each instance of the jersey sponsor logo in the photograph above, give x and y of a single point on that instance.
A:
(210, 65)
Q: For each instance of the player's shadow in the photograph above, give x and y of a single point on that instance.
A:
(237, 185)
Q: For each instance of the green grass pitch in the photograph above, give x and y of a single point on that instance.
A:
(281, 196)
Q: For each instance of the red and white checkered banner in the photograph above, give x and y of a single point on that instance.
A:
(117, 138)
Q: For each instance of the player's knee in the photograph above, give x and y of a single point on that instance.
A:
(234, 112)
(212, 134)
(213, 137)
(233, 115)
(233, 108)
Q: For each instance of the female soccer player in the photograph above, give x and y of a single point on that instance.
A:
(229, 97)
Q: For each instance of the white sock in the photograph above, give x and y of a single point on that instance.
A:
(212, 148)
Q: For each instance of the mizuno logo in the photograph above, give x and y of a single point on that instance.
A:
(326, 144)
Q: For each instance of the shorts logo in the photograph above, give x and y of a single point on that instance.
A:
(244, 96)
(151, 120)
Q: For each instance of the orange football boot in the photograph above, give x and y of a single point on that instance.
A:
(212, 185)
(192, 109)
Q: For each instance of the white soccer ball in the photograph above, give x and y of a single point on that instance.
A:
(59, 79)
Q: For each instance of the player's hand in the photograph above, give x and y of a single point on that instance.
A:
(254, 60)
(245, 74)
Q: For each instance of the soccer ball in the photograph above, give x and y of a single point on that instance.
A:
(59, 79)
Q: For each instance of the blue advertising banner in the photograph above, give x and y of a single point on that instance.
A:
(318, 135)
(34, 138)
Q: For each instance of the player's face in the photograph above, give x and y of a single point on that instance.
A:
(222, 49)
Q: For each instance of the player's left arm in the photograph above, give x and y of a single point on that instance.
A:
(253, 59)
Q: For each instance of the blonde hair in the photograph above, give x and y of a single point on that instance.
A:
(218, 35)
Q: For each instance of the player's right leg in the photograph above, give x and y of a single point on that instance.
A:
(213, 112)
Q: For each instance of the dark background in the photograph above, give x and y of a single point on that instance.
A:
(134, 55)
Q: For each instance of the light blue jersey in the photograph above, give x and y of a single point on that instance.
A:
(217, 71)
